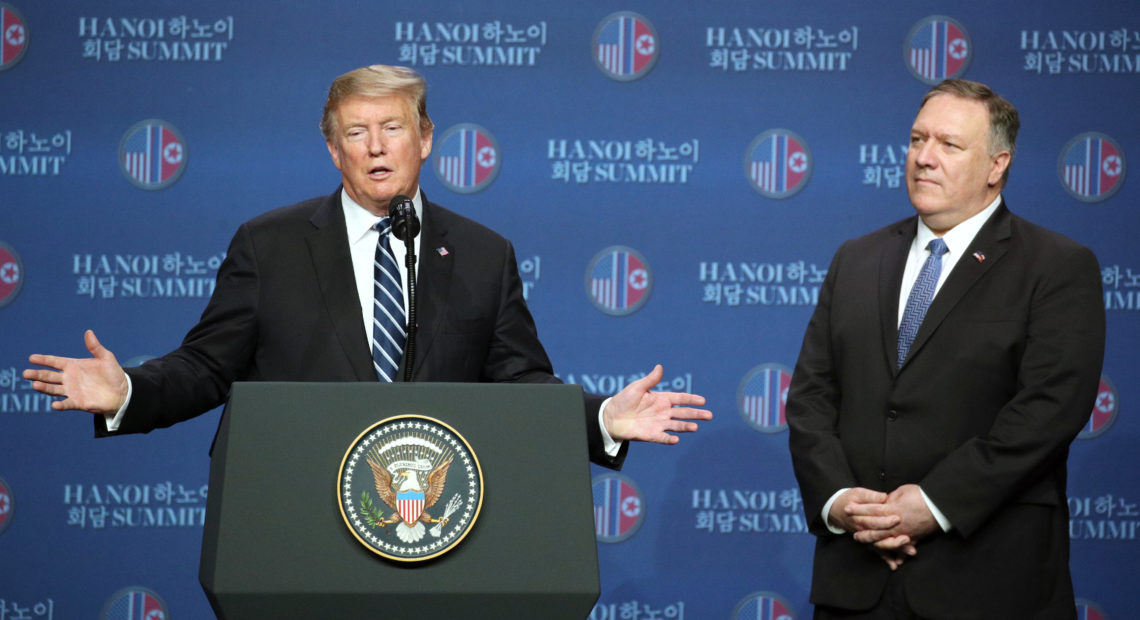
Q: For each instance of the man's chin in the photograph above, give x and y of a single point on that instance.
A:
(923, 205)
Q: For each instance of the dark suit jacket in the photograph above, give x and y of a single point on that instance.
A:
(1000, 378)
(286, 308)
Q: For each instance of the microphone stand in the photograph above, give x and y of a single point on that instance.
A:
(410, 346)
(405, 226)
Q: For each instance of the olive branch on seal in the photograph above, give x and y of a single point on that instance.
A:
(374, 517)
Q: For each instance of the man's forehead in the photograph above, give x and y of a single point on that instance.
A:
(951, 115)
(387, 107)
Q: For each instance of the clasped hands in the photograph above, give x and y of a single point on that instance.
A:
(891, 523)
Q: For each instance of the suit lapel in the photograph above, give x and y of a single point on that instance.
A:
(328, 248)
(892, 263)
(991, 244)
(433, 281)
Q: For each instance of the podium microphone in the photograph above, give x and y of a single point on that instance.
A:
(405, 226)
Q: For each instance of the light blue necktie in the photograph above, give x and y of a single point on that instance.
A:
(920, 296)
(388, 317)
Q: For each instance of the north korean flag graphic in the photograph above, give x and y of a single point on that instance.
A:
(13, 37)
(778, 164)
(625, 46)
(135, 604)
(763, 396)
(1103, 412)
(410, 505)
(468, 158)
(1087, 610)
(938, 49)
(152, 154)
(6, 505)
(11, 275)
(1092, 167)
(763, 606)
(619, 281)
(618, 507)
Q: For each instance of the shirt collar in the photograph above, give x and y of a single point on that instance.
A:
(359, 221)
(958, 238)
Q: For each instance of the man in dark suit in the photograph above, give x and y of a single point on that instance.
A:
(298, 299)
(933, 470)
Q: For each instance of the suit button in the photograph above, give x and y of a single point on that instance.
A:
(882, 475)
(892, 414)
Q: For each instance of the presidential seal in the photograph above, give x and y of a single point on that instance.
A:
(410, 488)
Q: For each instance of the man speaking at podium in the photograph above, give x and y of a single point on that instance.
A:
(319, 292)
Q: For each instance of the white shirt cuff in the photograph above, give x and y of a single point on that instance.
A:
(827, 510)
(608, 444)
(113, 421)
(943, 522)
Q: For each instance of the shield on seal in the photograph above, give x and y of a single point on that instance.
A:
(410, 505)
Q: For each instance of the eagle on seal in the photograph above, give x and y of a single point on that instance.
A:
(403, 493)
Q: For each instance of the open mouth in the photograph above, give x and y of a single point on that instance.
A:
(379, 172)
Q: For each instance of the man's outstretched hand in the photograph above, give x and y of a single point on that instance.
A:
(639, 414)
(96, 384)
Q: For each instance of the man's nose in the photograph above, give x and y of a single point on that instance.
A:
(376, 144)
(923, 156)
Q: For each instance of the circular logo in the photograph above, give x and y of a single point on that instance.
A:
(1104, 410)
(1091, 167)
(618, 280)
(13, 36)
(618, 508)
(7, 505)
(936, 49)
(625, 46)
(763, 606)
(763, 396)
(152, 154)
(399, 495)
(11, 274)
(467, 158)
(778, 163)
(134, 603)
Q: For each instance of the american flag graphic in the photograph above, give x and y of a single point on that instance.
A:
(779, 163)
(938, 50)
(410, 505)
(152, 154)
(626, 45)
(13, 36)
(619, 280)
(617, 507)
(468, 158)
(1092, 166)
(764, 396)
(136, 604)
(763, 607)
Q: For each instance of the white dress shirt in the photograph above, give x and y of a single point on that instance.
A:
(957, 240)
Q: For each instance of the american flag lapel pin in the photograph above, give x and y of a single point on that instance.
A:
(979, 256)
(442, 251)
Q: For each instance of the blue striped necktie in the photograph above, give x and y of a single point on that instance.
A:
(388, 317)
(920, 296)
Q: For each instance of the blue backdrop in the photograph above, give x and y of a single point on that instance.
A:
(675, 176)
